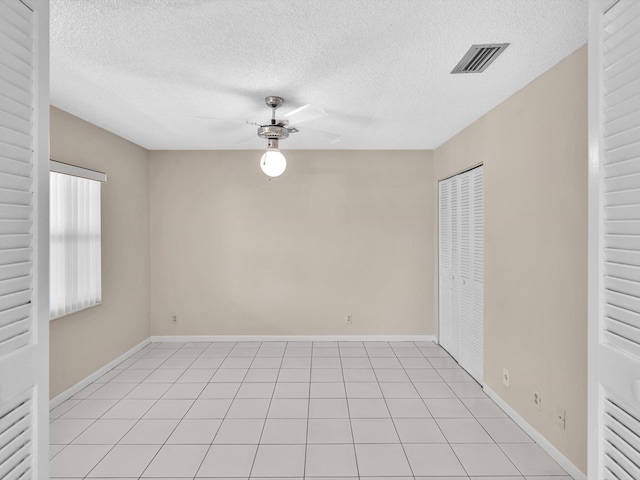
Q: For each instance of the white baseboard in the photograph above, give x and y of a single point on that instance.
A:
(545, 444)
(70, 392)
(293, 338)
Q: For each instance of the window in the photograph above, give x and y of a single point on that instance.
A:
(75, 239)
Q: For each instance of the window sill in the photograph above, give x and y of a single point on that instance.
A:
(51, 319)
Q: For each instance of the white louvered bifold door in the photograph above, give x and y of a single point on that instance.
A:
(444, 266)
(454, 242)
(461, 269)
(614, 447)
(476, 367)
(20, 392)
(465, 324)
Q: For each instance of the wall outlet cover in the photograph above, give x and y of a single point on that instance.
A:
(506, 378)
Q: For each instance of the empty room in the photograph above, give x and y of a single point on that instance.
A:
(339, 240)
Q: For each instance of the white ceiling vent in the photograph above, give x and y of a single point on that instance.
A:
(479, 57)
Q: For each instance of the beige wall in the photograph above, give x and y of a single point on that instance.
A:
(83, 342)
(233, 252)
(534, 150)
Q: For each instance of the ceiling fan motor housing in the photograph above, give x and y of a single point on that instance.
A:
(273, 132)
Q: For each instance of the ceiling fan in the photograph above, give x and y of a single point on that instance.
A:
(273, 163)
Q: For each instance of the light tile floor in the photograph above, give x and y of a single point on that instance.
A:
(294, 410)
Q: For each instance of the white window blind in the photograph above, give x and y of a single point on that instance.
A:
(75, 245)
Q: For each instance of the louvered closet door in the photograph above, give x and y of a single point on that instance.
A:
(615, 256)
(476, 366)
(18, 180)
(461, 271)
(465, 324)
(444, 265)
(454, 241)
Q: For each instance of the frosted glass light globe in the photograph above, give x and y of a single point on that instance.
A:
(273, 162)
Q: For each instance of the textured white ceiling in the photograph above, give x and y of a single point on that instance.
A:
(145, 69)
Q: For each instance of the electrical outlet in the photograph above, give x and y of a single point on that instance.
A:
(561, 416)
(505, 377)
(349, 319)
(174, 319)
(537, 400)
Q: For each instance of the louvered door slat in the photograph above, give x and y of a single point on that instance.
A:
(622, 183)
(622, 242)
(623, 92)
(16, 64)
(618, 54)
(628, 197)
(16, 284)
(16, 32)
(621, 154)
(623, 68)
(10, 120)
(621, 299)
(14, 197)
(622, 271)
(623, 212)
(617, 18)
(16, 423)
(11, 90)
(12, 76)
(15, 314)
(622, 109)
(14, 107)
(16, 138)
(15, 241)
(14, 227)
(623, 335)
(22, 25)
(621, 434)
(623, 138)
(10, 181)
(16, 255)
(14, 300)
(17, 453)
(15, 212)
(15, 270)
(622, 228)
(623, 257)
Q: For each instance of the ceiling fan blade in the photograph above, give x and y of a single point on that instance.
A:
(305, 113)
(328, 136)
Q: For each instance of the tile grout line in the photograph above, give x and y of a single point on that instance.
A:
(185, 413)
(384, 398)
(346, 396)
(96, 419)
(266, 414)
(434, 419)
(228, 408)
(306, 437)
(184, 346)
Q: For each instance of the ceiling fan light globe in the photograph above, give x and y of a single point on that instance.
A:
(273, 163)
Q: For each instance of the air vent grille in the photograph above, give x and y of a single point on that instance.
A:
(479, 57)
